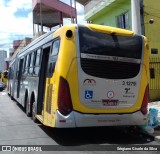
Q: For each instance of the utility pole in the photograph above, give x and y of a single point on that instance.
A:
(41, 16)
(136, 19)
(75, 10)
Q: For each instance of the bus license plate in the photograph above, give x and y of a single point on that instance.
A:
(110, 102)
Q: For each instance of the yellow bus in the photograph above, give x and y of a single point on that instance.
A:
(4, 76)
(83, 76)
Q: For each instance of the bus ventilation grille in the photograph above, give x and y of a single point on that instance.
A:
(110, 69)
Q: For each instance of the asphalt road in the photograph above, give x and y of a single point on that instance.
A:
(18, 129)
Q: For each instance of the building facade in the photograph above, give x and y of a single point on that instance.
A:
(152, 23)
(3, 56)
(111, 13)
(127, 14)
(18, 45)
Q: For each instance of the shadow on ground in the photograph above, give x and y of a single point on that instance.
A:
(95, 135)
(100, 135)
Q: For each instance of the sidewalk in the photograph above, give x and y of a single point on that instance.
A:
(18, 129)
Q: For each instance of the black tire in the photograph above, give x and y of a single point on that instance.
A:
(28, 109)
(12, 98)
(34, 112)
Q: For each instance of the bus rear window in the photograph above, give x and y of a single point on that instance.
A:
(92, 42)
(109, 56)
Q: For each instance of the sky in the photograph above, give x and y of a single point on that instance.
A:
(16, 20)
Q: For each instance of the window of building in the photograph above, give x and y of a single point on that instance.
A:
(123, 21)
(154, 51)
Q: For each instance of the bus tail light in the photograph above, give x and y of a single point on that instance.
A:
(145, 101)
(64, 97)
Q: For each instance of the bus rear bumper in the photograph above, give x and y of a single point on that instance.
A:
(76, 119)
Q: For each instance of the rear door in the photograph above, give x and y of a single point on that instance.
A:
(42, 77)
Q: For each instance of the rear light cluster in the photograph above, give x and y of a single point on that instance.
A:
(64, 97)
(144, 106)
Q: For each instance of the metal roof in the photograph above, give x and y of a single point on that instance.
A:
(50, 13)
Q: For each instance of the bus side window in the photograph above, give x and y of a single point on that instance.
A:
(17, 70)
(53, 57)
(27, 64)
(31, 63)
(55, 47)
(37, 62)
(24, 64)
(51, 67)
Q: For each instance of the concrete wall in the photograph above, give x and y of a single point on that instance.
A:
(152, 32)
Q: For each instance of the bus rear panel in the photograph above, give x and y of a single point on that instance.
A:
(104, 80)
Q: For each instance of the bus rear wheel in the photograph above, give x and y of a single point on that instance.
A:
(34, 112)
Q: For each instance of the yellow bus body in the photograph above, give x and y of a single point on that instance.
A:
(68, 70)
(94, 100)
(4, 78)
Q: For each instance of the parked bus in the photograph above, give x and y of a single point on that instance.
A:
(83, 76)
(4, 76)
